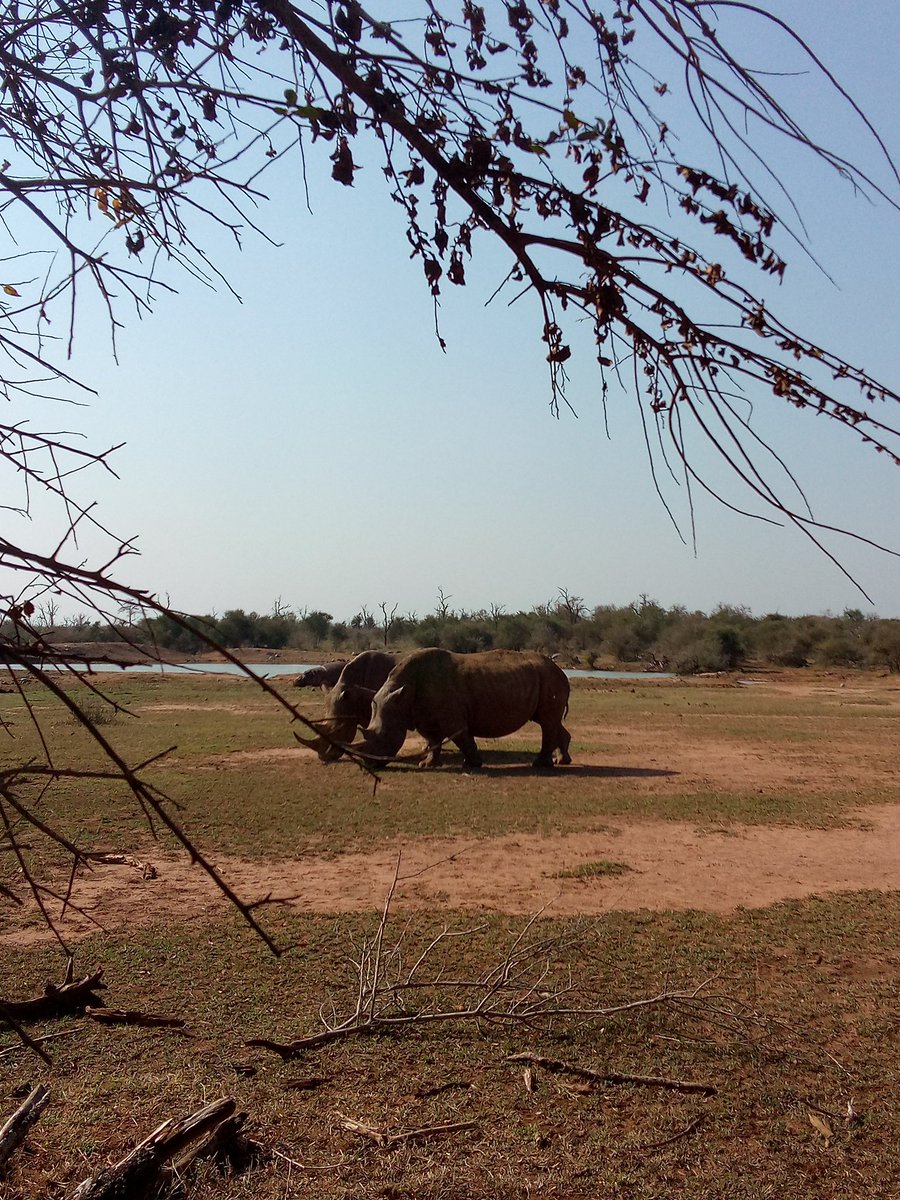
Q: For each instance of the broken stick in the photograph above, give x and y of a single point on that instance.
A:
(118, 1016)
(557, 1066)
(13, 1131)
(382, 1138)
(58, 1000)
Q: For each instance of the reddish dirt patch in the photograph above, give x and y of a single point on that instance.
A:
(671, 866)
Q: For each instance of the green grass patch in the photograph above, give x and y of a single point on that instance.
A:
(593, 870)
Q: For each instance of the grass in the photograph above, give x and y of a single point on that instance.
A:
(593, 870)
(243, 786)
(817, 982)
(811, 986)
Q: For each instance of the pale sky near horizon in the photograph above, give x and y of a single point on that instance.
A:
(313, 444)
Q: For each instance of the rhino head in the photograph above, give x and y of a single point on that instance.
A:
(391, 718)
(347, 708)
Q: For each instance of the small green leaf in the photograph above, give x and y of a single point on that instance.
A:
(290, 95)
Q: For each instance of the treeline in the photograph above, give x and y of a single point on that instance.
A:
(643, 634)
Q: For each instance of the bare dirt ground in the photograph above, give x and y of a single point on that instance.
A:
(662, 864)
(670, 865)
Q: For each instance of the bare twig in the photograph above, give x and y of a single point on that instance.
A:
(385, 1139)
(557, 1066)
(690, 1128)
(115, 1016)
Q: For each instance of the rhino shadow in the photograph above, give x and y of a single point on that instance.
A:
(515, 762)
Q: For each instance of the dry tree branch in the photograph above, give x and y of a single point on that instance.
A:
(517, 989)
(15, 1129)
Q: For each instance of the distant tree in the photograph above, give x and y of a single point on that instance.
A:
(429, 632)
(387, 621)
(885, 648)
(466, 637)
(570, 606)
(237, 628)
(442, 609)
(362, 620)
(318, 625)
(47, 614)
(339, 634)
(513, 632)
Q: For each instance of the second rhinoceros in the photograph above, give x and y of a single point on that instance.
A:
(458, 697)
(348, 705)
(324, 676)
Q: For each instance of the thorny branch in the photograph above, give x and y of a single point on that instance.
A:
(528, 986)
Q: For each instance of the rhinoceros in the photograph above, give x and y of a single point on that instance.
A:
(348, 705)
(324, 676)
(459, 697)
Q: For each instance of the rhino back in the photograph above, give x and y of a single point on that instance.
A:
(491, 694)
(369, 669)
(505, 689)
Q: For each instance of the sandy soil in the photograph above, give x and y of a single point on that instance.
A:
(670, 865)
(667, 864)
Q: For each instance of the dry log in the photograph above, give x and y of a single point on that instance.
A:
(118, 1016)
(57, 1000)
(294, 1049)
(167, 1149)
(613, 1077)
(13, 1132)
(306, 1083)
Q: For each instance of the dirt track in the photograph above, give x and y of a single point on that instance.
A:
(672, 865)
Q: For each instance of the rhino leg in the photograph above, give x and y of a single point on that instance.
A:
(432, 756)
(565, 737)
(554, 746)
(472, 760)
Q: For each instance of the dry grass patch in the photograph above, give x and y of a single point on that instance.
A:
(794, 1018)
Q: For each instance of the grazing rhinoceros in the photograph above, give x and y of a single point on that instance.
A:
(324, 676)
(459, 697)
(348, 706)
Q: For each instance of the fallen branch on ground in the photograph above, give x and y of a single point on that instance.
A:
(676, 1137)
(147, 870)
(34, 1043)
(558, 1067)
(385, 1140)
(13, 1131)
(60, 1000)
(211, 1131)
(118, 1016)
(529, 984)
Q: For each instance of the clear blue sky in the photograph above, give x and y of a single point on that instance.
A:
(314, 444)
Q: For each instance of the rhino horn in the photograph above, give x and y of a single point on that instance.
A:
(309, 743)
